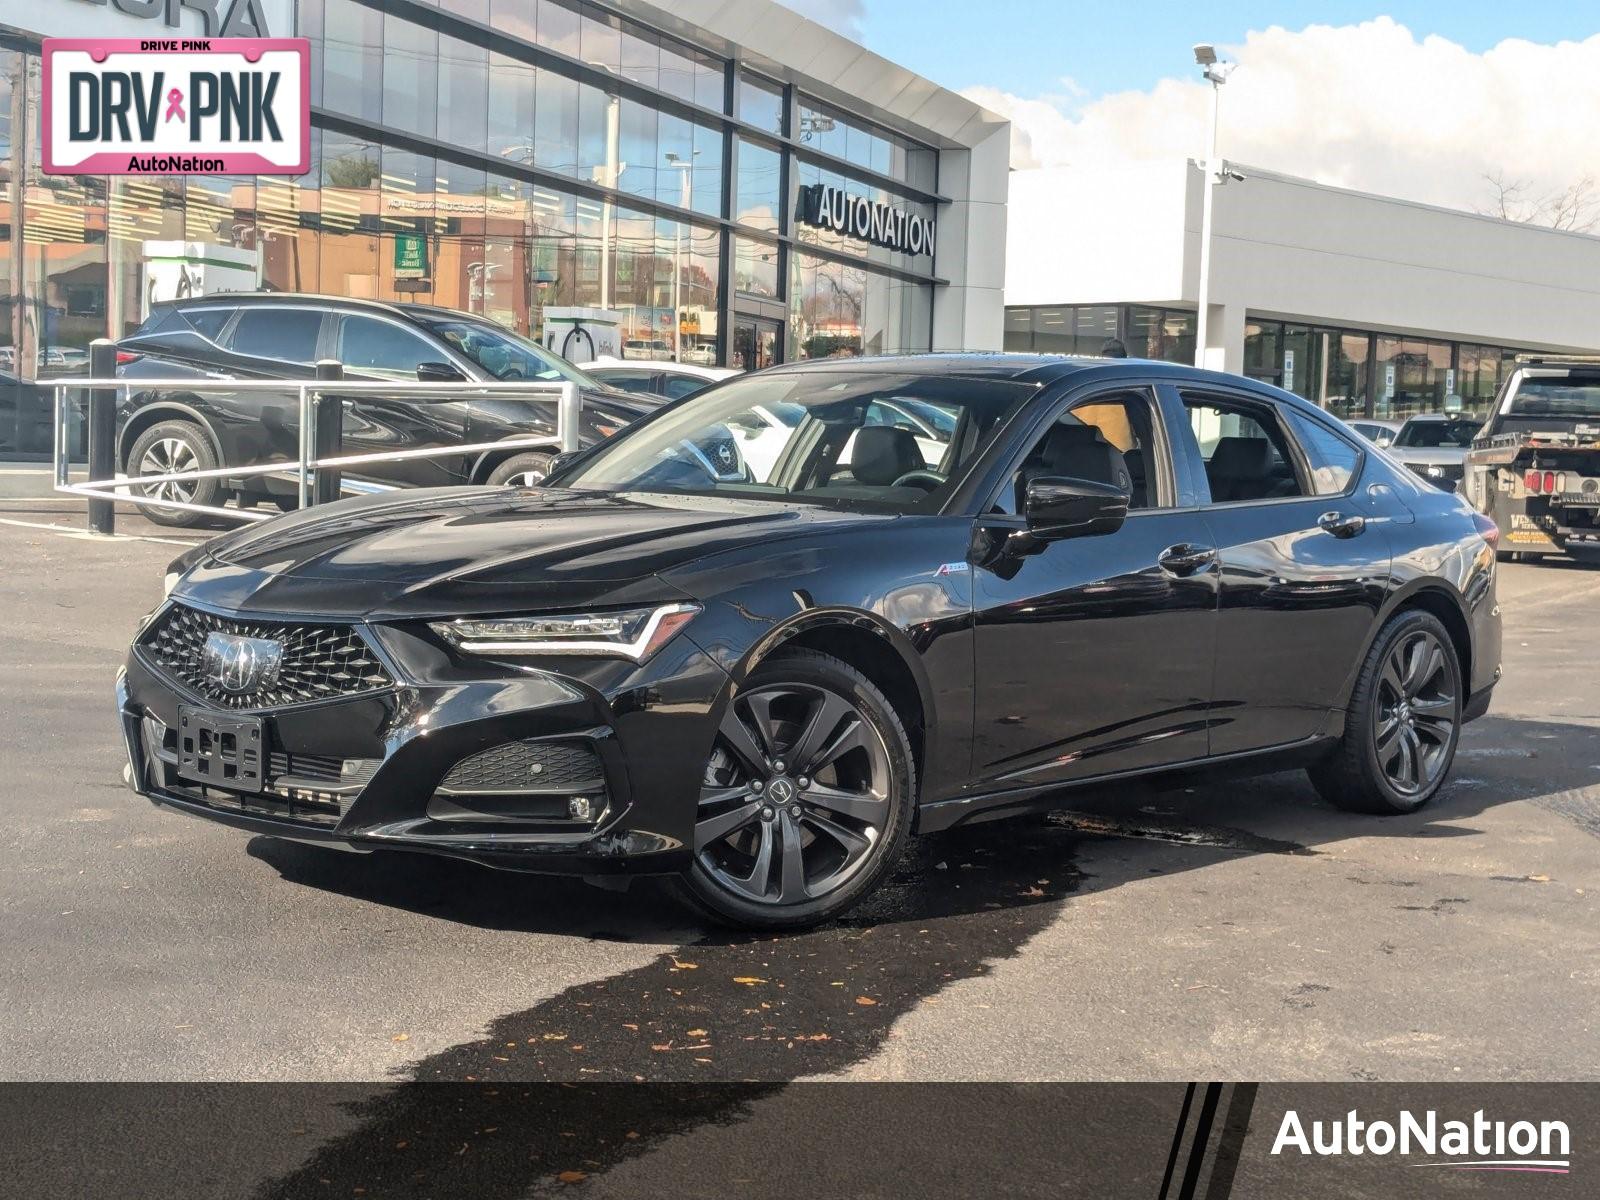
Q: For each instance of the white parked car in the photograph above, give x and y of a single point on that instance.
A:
(656, 378)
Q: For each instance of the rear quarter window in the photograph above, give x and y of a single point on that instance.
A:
(1333, 460)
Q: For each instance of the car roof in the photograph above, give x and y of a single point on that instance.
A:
(393, 308)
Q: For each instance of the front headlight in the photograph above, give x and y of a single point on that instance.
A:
(635, 633)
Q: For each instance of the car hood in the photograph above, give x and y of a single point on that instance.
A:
(1427, 456)
(449, 550)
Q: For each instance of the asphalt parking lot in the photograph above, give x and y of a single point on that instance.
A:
(1232, 931)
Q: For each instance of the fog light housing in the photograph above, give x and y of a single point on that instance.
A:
(580, 808)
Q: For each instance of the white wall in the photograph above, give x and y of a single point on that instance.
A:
(1291, 248)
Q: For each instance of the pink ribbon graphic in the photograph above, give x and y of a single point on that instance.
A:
(174, 106)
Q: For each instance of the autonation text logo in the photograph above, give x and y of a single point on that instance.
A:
(1480, 1144)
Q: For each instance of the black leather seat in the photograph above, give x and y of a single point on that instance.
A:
(1074, 452)
(1138, 484)
(882, 454)
(1241, 468)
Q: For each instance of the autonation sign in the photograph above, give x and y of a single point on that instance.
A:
(162, 106)
(825, 206)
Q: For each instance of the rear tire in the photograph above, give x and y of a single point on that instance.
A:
(765, 860)
(172, 446)
(521, 470)
(1403, 723)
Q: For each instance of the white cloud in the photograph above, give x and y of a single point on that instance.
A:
(841, 16)
(1367, 106)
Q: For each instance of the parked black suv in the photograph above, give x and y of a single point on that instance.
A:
(276, 335)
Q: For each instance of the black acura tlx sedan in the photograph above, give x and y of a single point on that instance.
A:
(763, 679)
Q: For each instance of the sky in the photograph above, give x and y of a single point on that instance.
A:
(1420, 100)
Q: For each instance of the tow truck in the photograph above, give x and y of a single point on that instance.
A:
(1535, 465)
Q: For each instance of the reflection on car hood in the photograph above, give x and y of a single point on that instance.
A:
(462, 549)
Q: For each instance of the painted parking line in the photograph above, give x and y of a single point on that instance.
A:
(85, 535)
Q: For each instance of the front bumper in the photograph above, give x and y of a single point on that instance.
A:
(649, 728)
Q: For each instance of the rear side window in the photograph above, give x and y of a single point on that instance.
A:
(208, 321)
(1333, 460)
(289, 334)
(679, 386)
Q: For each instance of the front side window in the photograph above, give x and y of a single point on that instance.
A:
(805, 438)
(286, 334)
(505, 355)
(375, 347)
(1246, 455)
(1107, 439)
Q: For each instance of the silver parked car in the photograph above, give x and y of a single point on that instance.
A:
(1435, 446)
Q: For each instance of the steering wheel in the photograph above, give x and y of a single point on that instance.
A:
(931, 480)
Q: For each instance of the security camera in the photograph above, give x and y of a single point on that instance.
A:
(1205, 54)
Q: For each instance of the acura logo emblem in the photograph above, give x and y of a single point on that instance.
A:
(781, 791)
(241, 664)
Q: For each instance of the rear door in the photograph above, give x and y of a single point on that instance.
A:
(1094, 654)
(1304, 561)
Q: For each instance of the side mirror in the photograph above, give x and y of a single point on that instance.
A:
(1385, 441)
(1059, 508)
(439, 372)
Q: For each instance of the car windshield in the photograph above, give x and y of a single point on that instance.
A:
(1439, 434)
(1565, 397)
(808, 438)
(507, 355)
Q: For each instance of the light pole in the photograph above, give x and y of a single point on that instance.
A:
(685, 201)
(1216, 72)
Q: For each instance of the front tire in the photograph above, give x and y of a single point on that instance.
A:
(521, 470)
(1403, 723)
(167, 448)
(806, 801)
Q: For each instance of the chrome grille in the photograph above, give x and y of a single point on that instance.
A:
(319, 661)
(532, 766)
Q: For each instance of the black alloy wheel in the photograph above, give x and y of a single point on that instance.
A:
(171, 448)
(806, 798)
(1403, 723)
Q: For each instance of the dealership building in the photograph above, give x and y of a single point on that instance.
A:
(722, 180)
(1369, 305)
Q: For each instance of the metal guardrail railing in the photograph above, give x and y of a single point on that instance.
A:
(320, 431)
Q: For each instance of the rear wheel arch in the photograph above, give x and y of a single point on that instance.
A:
(1448, 608)
(154, 414)
(490, 459)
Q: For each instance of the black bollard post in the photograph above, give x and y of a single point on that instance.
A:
(330, 433)
(102, 433)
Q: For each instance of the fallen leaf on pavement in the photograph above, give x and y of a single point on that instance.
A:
(748, 980)
(865, 1001)
(401, 1037)
(573, 1176)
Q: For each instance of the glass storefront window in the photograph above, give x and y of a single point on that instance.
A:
(1019, 329)
(1411, 377)
(755, 267)
(757, 202)
(839, 311)
(827, 129)
(1167, 334)
(761, 103)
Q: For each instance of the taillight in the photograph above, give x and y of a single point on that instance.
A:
(1487, 529)
(1531, 481)
(124, 357)
(1559, 484)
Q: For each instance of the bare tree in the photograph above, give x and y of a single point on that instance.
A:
(1575, 207)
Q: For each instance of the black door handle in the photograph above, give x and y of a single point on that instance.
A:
(1185, 559)
(1342, 526)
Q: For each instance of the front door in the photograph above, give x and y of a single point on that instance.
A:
(756, 343)
(1095, 654)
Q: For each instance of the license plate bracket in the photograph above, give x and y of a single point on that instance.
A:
(222, 750)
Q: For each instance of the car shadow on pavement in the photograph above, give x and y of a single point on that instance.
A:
(767, 1010)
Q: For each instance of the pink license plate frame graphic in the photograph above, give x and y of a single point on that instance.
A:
(231, 162)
